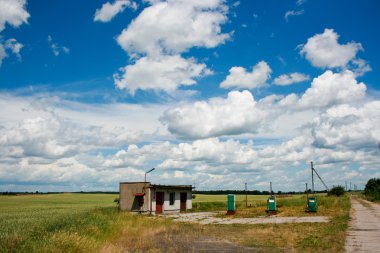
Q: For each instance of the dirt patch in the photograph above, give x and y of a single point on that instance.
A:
(364, 228)
(176, 240)
(208, 245)
(209, 218)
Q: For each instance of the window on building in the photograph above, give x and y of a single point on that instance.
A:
(172, 198)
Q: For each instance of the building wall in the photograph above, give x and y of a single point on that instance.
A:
(128, 201)
(177, 203)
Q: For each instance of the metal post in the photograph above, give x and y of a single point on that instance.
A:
(323, 182)
(147, 173)
(270, 187)
(312, 177)
(145, 177)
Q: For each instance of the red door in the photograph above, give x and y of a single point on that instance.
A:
(183, 201)
(159, 202)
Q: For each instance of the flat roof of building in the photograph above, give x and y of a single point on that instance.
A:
(149, 185)
(171, 186)
(134, 182)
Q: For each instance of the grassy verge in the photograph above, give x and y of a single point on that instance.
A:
(361, 195)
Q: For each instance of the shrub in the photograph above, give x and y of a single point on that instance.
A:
(336, 191)
(117, 201)
(372, 189)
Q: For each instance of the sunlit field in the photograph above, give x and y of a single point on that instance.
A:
(63, 222)
(92, 223)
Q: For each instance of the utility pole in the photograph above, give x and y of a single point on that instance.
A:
(312, 177)
(316, 173)
(148, 172)
(270, 188)
(346, 185)
(150, 197)
(246, 197)
(350, 186)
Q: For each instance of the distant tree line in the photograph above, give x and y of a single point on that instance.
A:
(250, 192)
(38, 192)
(98, 192)
(27, 193)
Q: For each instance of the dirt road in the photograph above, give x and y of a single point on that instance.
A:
(364, 227)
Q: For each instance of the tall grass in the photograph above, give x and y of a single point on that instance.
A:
(57, 223)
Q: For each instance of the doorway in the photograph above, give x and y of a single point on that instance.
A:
(183, 199)
(159, 202)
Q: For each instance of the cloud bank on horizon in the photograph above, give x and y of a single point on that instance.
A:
(179, 99)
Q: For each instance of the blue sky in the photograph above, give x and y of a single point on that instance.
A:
(216, 93)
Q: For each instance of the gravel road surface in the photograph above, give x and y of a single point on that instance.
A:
(364, 227)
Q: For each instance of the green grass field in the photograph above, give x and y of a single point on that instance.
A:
(57, 222)
(92, 223)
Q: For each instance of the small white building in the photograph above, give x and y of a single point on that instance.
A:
(154, 198)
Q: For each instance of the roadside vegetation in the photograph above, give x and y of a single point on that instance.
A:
(372, 190)
(92, 223)
(336, 191)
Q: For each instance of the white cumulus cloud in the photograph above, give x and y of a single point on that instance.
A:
(157, 37)
(41, 146)
(174, 27)
(348, 127)
(288, 79)
(13, 12)
(12, 46)
(108, 11)
(323, 50)
(165, 73)
(240, 114)
(333, 88)
(236, 114)
(239, 77)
